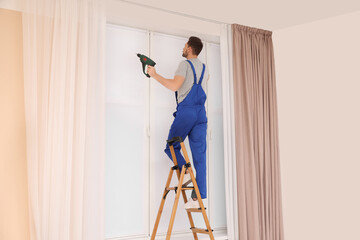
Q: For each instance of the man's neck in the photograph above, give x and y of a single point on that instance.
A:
(190, 57)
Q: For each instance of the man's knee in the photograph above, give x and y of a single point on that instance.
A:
(176, 146)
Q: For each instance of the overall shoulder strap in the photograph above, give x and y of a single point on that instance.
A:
(202, 74)
(193, 69)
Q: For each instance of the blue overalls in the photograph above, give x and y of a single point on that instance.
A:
(190, 120)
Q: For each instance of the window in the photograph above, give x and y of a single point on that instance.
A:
(138, 117)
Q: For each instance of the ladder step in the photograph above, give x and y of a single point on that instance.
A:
(194, 209)
(200, 230)
(183, 188)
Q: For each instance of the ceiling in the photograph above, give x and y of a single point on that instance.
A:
(269, 15)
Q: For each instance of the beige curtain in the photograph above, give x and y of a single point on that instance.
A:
(256, 135)
(64, 89)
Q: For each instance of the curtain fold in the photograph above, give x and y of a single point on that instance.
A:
(256, 135)
(64, 89)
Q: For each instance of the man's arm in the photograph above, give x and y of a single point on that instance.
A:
(172, 84)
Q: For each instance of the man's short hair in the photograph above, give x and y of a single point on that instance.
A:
(196, 45)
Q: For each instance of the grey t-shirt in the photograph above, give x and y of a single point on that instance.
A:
(184, 69)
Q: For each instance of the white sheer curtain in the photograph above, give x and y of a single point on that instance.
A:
(229, 134)
(64, 88)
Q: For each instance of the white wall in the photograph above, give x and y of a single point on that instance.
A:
(151, 19)
(131, 15)
(11, 4)
(318, 85)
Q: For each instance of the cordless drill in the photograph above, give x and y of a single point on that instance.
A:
(145, 61)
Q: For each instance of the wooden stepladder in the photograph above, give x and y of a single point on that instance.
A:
(182, 189)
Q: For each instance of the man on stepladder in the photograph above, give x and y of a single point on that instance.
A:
(190, 116)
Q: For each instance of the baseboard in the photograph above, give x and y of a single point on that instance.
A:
(219, 234)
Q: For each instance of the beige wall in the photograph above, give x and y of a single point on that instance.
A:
(318, 85)
(13, 178)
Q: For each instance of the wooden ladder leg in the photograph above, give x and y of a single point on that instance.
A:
(162, 204)
(168, 235)
(197, 193)
(189, 215)
(207, 223)
(183, 191)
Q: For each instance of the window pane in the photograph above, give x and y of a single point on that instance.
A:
(126, 183)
